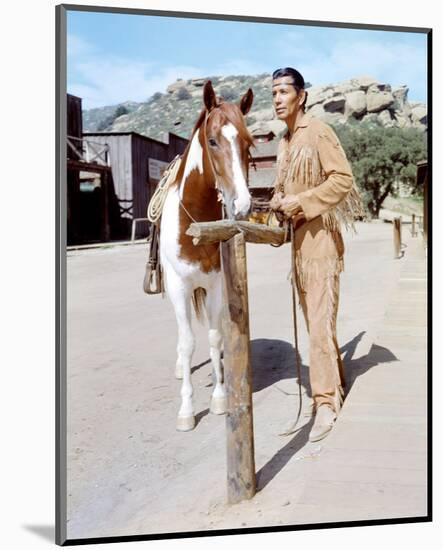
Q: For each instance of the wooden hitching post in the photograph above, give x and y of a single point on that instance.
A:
(232, 236)
(237, 369)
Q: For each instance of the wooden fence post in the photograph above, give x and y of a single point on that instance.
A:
(397, 238)
(237, 371)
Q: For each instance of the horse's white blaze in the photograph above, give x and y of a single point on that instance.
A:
(194, 160)
(242, 202)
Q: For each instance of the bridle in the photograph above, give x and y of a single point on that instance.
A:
(218, 187)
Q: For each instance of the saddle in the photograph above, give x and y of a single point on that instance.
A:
(153, 281)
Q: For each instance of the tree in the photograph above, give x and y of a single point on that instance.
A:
(183, 93)
(106, 123)
(227, 93)
(380, 157)
(121, 110)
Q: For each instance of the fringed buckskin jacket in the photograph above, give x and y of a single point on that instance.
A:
(312, 165)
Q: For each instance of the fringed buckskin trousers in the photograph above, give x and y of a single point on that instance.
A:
(312, 165)
(318, 290)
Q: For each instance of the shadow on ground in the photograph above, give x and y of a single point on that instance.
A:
(356, 367)
(283, 456)
(274, 360)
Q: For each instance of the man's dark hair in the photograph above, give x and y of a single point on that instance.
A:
(297, 79)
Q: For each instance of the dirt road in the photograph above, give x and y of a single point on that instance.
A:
(130, 472)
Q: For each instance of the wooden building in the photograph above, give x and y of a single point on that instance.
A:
(137, 163)
(88, 182)
(262, 170)
(111, 177)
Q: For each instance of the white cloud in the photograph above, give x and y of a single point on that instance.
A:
(388, 61)
(114, 80)
(103, 79)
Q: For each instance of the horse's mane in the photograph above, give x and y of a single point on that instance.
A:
(233, 114)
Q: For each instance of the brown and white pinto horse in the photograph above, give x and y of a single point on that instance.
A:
(214, 167)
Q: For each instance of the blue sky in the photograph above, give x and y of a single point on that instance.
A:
(117, 57)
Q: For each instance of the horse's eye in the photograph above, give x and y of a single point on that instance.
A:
(212, 142)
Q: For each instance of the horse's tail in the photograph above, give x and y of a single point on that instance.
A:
(198, 301)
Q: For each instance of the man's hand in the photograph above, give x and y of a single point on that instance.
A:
(288, 205)
(275, 201)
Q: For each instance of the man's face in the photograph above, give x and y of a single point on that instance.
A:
(285, 98)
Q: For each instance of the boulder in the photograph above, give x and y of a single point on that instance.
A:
(316, 110)
(386, 118)
(335, 104)
(378, 100)
(355, 103)
(377, 87)
(400, 95)
(198, 82)
(364, 82)
(264, 114)
(346, 87)
(266, 126)
(276, 126)
(179, 83)
(318, 94)
(402, 121)
(419, 114)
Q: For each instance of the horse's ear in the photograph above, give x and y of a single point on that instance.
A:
(246, 102)
(209, 96)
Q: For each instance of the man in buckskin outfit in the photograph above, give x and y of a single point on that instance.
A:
(315, 189)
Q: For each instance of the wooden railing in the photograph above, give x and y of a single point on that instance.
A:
(91, 152)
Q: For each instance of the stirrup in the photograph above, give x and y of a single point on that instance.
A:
(153, 281)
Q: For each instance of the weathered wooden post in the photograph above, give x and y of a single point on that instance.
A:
(237, 368)
(397, 237)
(105, 230)
(238, 376)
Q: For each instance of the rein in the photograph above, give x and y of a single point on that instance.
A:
(293, 429)
(288, 226)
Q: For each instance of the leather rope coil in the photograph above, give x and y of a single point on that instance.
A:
(155, 206)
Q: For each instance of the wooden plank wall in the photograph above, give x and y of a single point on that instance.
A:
(142, 150)
(74, 123)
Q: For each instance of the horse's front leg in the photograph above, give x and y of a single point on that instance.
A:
(214, 313)
(181, 300)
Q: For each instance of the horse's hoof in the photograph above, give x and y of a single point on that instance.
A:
(185, 423)
(218, 405)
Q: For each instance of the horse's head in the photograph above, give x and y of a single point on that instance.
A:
(226, 144)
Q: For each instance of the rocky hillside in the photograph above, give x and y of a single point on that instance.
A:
(358, 99)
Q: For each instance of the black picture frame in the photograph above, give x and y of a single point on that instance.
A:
(61, 283)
